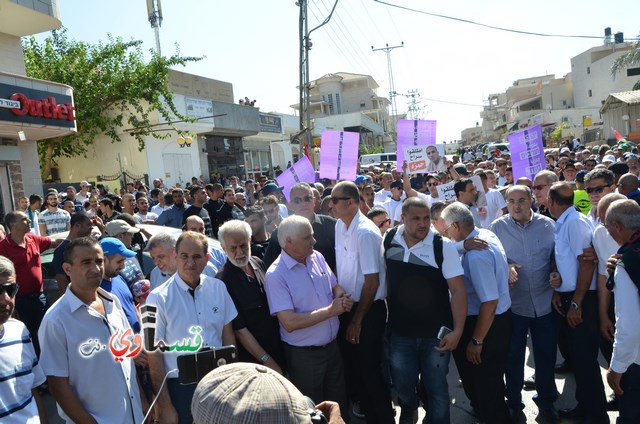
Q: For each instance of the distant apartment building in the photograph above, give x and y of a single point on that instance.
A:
(471, 136)
(30, 109)
(349, 102)
(575, 99)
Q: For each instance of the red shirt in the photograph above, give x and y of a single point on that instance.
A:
(26, 261)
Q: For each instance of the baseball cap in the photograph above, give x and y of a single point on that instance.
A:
(608, 158)
(112, 246)
(630, 155)
(248, 393)
(565, 150)
(118, 226)
(85, 184)
(360, 179)
(269, 188)
(580, 175)
(396, 184)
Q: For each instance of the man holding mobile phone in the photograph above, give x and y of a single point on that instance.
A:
(423, 269)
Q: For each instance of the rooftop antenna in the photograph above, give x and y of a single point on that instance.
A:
(154, 11)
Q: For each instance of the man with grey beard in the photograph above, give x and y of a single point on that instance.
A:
(254, 326)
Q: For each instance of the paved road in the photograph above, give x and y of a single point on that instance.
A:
(460, 408)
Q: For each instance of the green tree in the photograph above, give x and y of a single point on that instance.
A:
(113, 87)
(631, 58)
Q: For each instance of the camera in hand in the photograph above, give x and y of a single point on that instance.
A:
(193, 367)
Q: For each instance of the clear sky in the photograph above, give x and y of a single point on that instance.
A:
(253, 44)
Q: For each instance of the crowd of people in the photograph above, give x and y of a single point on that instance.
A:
(358, 292)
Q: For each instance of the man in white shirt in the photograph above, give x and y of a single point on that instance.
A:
(187, 299)
(76, 342)
(83, 195)
(54, 220)
(393, 203)
(385, 192)
(360, 270)
(623, 376)
(496, 205)
(143, 213)
(577, 304)
(21, 373)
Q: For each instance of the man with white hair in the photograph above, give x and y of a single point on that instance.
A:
(623, 223)
(304, 294)
(255, 328)
(488, 317)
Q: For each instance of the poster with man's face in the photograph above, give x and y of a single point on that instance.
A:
(436, 160)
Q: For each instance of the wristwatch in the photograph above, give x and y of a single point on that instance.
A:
(574, 305)
(264, 358)
(476, 342)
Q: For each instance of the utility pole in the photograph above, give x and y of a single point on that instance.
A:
(414, 109)
(154, 12)
(392, 90)
(305, 46)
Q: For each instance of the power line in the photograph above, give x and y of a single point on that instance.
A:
(467, 21)
(450, 102)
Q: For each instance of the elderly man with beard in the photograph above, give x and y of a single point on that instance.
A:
(255, 328)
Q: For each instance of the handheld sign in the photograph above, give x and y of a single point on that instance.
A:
(414, 133)
(527, 152)
(339, 155)
(301, 172)
(416, 157)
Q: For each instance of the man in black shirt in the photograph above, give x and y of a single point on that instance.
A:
(199, 198)
(213, 205)
(301, 203)
(254, 326)
(256, 219)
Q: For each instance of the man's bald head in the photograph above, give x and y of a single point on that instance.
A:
(627, 183)
(194, 223)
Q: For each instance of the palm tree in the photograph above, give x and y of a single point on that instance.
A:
(631, 58)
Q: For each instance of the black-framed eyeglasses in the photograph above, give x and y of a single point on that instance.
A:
(336, 199)
(298, 200)
(539, 187)
(10, 289)
(432, 184)
(596, 190)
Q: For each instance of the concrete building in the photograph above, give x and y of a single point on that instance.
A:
(622, 112)
(214, 143)
(471, 136)
(30, 109)
(349, 102)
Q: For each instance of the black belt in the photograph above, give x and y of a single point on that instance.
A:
(311, 347)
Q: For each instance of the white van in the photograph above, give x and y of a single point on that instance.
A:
(377, 158)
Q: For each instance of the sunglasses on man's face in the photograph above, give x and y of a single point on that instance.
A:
(596, 190)
(10, 289)
(298, 200)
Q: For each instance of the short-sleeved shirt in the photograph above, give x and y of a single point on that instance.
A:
(117, 287)
(26, 261)
(605, 246)
(291, 285)
(493, 210)
(210, 307)
(74, 340)
(55, 222)
(486, 274)
(626, 347)
(358, 254)
(573, 234)
(19, 373)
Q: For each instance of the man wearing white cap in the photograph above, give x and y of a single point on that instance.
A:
(83, 195)
(124, 232)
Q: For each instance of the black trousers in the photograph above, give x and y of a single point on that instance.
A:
(484, 383)
(584, 344)
(317, 372)
(31, 309)
(363, 364)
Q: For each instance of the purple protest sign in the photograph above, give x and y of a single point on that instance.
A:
(339, 155)
(301, 172)
(414, 133)
(527, 152)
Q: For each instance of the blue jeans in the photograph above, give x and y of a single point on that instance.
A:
(410, 357)
(630, 400)
(543, 339)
